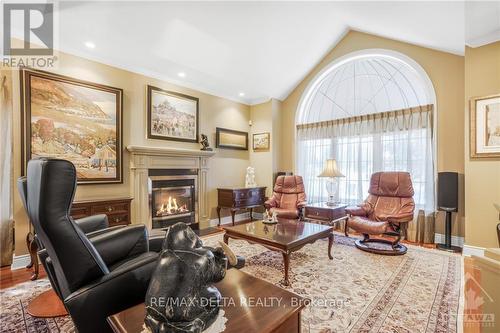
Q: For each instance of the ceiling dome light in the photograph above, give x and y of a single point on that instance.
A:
(90, 45)
(242, 94)
(181, 74)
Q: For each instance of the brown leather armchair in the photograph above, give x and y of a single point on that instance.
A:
(289, 197)
(387, 209)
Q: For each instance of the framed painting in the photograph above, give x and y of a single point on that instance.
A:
(172, 116)
(75, 120)
(261, 141)
(485, 127)
(231, 139)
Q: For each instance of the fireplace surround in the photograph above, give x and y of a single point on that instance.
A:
(150, 164)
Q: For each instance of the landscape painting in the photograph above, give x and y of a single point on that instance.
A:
(485, 127)
(172, 116)
(231, 139)
(74, 120)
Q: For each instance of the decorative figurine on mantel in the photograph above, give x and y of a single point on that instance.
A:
(204, 143)
(250, 177)
(181, 297)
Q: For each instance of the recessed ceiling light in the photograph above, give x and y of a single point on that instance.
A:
(242, 94)
(90, 45)
(181, 74)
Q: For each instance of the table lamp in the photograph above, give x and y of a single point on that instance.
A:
(332, 173)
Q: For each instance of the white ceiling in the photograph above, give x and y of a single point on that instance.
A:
(482, 22)
(263, 49)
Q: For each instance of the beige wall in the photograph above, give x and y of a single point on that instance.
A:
(266, 118)
(227, 167)
(482, 177)
(446, 72)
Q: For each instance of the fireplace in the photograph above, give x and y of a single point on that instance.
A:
(173, 197)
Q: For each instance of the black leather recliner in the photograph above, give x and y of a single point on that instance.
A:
(95, 275)
(92, 226)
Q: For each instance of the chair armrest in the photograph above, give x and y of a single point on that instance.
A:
(103, 231)
(400, 218)
(356, 211)
(121, 243)
(93, 223)
(122, 288)
(301, 204)
(270, 203)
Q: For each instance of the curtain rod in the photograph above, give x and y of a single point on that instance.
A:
(416, 109)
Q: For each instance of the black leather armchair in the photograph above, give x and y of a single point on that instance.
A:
(97, 274)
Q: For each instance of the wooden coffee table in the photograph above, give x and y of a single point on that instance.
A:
(286, 236)
(277, 312)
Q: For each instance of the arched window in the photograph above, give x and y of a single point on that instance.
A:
(371, 111)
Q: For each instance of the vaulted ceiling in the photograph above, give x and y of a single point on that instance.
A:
(244, 51)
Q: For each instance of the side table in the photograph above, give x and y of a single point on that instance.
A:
(324, 213)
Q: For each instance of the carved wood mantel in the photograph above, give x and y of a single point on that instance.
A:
(144, 158)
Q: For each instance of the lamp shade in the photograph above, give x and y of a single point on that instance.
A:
(331, 169)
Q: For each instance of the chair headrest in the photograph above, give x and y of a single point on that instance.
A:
(391, 184)
(52, 185)
(289, 184)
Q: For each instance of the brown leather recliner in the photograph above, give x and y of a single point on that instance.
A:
(387, 209)
(289, 197)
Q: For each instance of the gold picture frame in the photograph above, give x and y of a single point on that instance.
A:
(484, 128)
(261, 141)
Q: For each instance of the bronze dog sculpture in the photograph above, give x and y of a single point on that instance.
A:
(181, 297)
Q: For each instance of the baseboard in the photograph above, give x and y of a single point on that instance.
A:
(470, 250)
(21, 261)
(455, 240)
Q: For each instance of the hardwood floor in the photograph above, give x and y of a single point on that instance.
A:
(9, 278)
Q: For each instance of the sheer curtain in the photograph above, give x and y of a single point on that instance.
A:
(399, 140)
(6, 223)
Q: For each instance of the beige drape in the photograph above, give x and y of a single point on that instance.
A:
(6, 222)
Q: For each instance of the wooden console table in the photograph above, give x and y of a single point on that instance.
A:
(117, 210)
(236, 198)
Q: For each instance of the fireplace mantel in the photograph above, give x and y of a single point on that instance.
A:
(168, 151)
(145, 158)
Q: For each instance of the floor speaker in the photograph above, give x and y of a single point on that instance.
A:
(448, 202)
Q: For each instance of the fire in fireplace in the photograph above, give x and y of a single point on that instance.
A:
(172, 201)
(173, 197)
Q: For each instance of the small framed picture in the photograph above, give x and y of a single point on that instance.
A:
(261, 141)
(231, 139)
(485, 127)
(172, 116)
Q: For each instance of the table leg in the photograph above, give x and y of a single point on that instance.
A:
(33, 251)
(218, 213)
(233, 212)
(251, 210)
(330, 243)
(226, 239)
(286, 261)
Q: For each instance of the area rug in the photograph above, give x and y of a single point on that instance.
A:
(354, 292)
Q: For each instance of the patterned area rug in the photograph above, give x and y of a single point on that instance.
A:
(354, 292)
